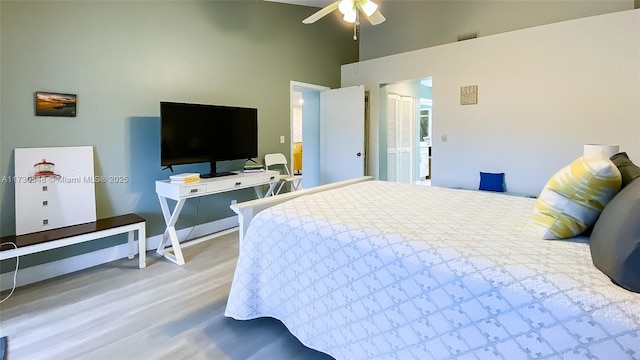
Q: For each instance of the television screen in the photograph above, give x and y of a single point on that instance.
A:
(197, 133)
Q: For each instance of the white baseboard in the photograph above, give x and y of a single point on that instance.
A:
(60, 267)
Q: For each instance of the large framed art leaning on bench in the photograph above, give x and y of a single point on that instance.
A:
(367, 271)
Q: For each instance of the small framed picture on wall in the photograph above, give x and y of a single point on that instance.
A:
(469, 95)
(55, 104)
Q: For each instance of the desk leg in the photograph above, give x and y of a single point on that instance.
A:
(170, 233)
(272, 185)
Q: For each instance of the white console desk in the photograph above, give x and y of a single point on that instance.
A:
(181, 192)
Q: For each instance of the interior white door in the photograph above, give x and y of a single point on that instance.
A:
(342, 153)
(400, 143)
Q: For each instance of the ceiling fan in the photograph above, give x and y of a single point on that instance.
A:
(350, 10)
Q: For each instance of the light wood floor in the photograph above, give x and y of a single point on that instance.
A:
(165, 311)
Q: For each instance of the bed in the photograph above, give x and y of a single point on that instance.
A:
(370, 269)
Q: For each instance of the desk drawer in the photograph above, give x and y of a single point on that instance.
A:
(192, 190)
(256, 180)
(227, 184)
(236, 182)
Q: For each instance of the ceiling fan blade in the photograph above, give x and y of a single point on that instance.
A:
(322, 12)
(375, 18)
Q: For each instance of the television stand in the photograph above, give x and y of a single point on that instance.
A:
(182, 192)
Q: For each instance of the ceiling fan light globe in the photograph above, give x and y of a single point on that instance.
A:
(350, 17)
(368, 7)
(346, 7)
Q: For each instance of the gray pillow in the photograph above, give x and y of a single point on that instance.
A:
(628, 169)
(615, 239)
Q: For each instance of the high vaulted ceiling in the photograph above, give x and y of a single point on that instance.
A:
(314, 3)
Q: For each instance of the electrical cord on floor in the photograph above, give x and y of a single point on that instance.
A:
(196, 220)
(15, 273)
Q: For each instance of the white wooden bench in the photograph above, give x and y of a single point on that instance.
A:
(56, 238)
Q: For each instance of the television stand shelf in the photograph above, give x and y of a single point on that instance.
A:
(180, 192)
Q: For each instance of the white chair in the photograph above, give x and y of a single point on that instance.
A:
(279, 162)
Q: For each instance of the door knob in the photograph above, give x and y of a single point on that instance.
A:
(359, 154)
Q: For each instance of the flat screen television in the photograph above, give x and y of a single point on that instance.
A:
(201, 133)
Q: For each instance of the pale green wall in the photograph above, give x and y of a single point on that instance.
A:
(413, 25)
(123, 58)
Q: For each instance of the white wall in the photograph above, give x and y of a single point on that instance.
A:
(413, 25)
(543, 92)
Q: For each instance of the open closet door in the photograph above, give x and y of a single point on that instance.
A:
(342, 134)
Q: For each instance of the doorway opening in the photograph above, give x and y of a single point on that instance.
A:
(296, 131)
(327, 128)
(305, 131)
(405, 131)
(425, 141)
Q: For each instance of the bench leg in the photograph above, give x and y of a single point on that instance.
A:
(132, 248)
(142, 247)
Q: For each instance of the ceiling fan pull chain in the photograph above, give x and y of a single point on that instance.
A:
(355, 24)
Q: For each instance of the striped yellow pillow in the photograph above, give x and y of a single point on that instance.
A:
(574, 197)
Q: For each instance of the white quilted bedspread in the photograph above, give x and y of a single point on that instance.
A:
(382, 270)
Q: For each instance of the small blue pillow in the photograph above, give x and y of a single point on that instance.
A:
(492, 181)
